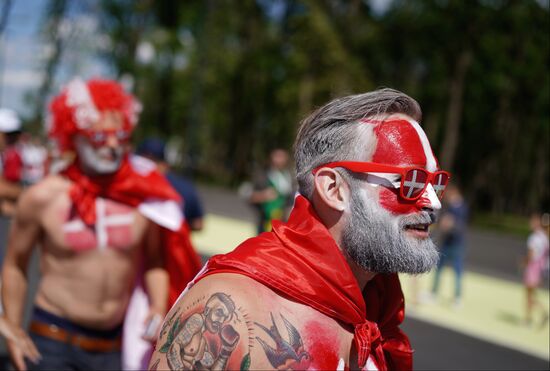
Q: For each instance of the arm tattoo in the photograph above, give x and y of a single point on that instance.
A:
(168, 323)
(175, 361)
(190, 328)
(193, 344)
(154, 366)
(287, 354)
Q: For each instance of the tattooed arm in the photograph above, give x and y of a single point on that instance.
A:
(208, 328)
(228, 321)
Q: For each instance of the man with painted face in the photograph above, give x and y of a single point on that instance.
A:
(321, 291)
(99, 223)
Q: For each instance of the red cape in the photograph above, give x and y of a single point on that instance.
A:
(131, 188)
(301, 262)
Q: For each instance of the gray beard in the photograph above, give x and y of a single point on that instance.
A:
(92, 162)
(377, 241)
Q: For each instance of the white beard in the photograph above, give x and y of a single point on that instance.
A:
(377, 241)
(96, 161)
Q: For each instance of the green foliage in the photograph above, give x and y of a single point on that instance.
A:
(504, 223)
(233, 79)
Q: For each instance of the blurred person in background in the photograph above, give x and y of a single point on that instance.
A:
(97, 222)
(155, 150)
(11, 162)
(273, 190)
(10, 169)
(321, 291)
(545, 220)
(185, 262)
(34, 155)
(452, 226)
(534, 263)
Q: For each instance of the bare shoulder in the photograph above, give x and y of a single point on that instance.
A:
(229, 321)
(43, 192)
(30, 213)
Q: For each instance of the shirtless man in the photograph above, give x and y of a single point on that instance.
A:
(94, 229)
(321, 291)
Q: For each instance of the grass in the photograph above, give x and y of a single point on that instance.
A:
(491, 309)
(504, 223)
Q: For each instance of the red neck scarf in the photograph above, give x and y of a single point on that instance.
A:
(125, 186)
(301, 261)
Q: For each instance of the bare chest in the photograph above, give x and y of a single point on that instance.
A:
(117, 226)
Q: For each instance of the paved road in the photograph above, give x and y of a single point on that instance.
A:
(435, 348)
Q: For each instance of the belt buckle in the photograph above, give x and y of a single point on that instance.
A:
(57, 330)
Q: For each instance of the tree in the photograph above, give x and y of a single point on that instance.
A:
(232, 81)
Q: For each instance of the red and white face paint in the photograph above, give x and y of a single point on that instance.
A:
(402, 142)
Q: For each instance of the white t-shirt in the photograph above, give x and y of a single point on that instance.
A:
(537, 243)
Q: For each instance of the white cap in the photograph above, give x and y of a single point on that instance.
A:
(9, 121)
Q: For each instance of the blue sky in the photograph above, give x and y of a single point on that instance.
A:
(19, 50)
(23, 50)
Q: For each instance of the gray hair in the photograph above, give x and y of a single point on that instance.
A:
(333, 132)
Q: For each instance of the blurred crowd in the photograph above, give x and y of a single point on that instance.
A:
(81, 192)
(23, 159)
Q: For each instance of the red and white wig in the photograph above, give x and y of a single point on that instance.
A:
(79, 106)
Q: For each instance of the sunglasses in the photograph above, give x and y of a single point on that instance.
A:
(414, 180)
(99, 137)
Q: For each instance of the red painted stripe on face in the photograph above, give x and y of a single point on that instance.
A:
(390, 200)
(398, 144)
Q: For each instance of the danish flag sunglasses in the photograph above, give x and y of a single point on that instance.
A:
(414, 180)
(99, 137)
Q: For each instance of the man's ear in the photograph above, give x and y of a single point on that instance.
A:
(331, 188)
